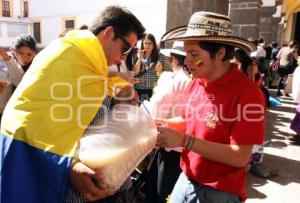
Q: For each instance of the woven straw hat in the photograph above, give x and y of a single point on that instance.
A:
(208, 27)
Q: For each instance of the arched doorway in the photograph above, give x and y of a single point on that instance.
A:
(297, 27)
(291, 20)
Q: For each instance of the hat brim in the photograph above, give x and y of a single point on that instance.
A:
(167, 52)
(179, 34)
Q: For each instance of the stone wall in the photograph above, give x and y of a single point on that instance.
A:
(249, 17)
(270, 27)
(180, 11)
(245, 16)
(266, 22)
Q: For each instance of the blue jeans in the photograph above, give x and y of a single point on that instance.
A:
(186, 191)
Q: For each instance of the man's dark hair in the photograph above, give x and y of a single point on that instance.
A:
(274, 44)
(179, 58)
(121, 19)
(24, 40)
(83, 27)
(63, 33)
(213, 47)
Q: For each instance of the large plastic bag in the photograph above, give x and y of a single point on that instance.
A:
(117, 144)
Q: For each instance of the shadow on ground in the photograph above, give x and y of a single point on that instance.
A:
(277, 130)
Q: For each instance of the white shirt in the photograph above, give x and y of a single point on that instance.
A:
(286, 56)
(260, 52)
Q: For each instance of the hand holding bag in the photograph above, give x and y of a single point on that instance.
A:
(117, 144)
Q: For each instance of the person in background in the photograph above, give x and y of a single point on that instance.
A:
(260, 52)
(217, 142)
(259, 55)
(83, 27)
(15, 64)
(23, 52)
(166, 102)
(147, 67)
(6, 87)
(64, 32)
(249, 67)
(246, 65)
(286, 55)
(65, 86)
(267, 81)
(176, 56)
(295, 125)
(273, 72)
(274, 52)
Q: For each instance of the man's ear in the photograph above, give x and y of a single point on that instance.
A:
(109, 32)
(221, 53)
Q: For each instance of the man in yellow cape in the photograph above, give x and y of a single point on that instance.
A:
(55, 102)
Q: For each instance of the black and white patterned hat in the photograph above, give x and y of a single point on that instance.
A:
(208, 27)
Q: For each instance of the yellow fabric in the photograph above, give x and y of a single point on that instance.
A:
(59, 95)
(115, 84)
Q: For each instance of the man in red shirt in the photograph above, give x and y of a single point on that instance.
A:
(223, 117)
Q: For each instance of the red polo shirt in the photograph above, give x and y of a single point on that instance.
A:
(229, 110)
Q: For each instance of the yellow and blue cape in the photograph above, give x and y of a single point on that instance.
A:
(56, 100)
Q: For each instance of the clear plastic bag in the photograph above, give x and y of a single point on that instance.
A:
(115, 145)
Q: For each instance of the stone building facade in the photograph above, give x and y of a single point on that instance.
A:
(179, 11)
(272, 20)
(245, 16)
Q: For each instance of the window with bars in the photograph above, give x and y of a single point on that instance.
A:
(37, 31)
(69, 24)
(6, 8)
(25, 9)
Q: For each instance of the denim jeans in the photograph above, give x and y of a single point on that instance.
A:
(186, 191)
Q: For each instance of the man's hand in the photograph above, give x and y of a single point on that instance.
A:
(3, 54)
(84, 178)
(168, 137)
(176, 123)
(3, 84)
(127, 96)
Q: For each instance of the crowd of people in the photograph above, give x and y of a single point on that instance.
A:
(208, 95)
